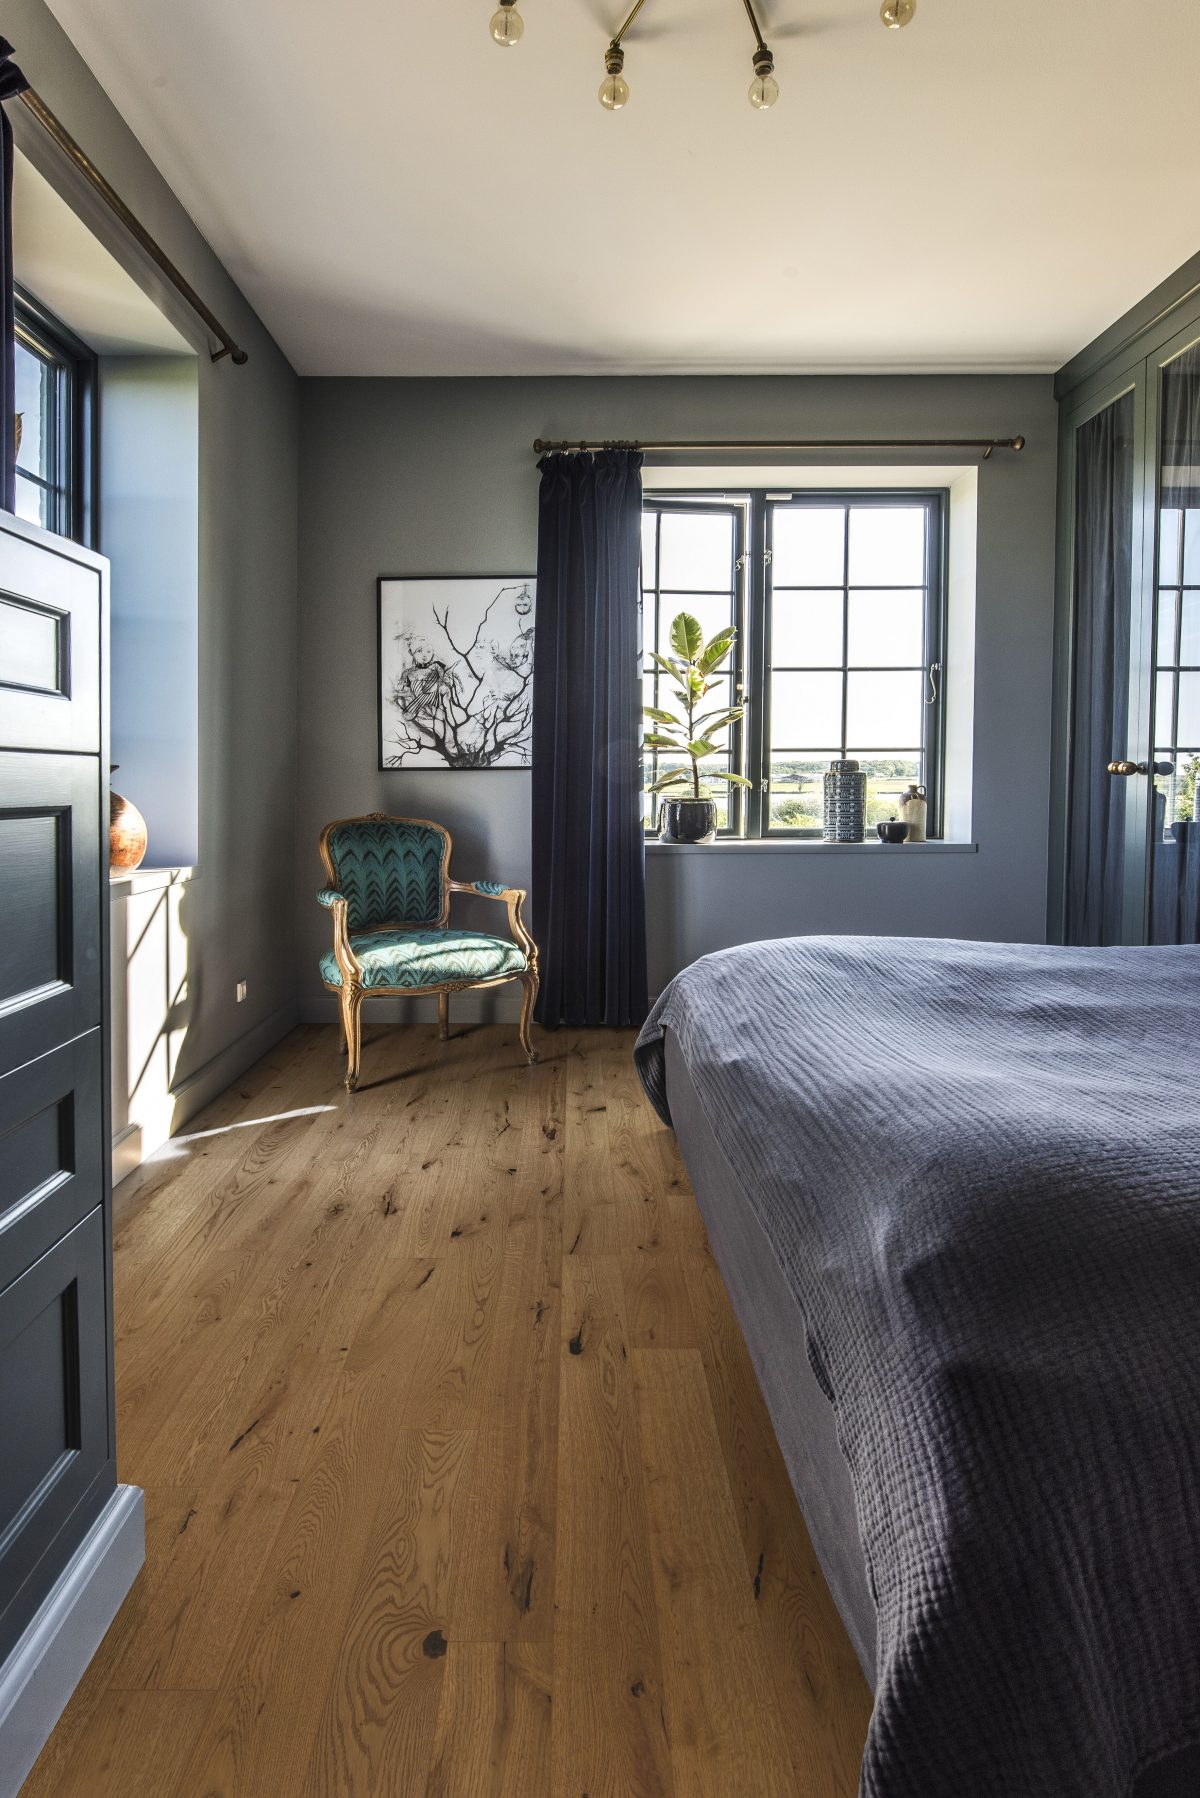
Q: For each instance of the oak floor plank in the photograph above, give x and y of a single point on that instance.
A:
(609, 1732)
(493, 1726)
(138, 1746)
(657, 1304)
(823, 1697)
(726, 1736)
(377, 1727)
(458, 1477)
(260, 1732)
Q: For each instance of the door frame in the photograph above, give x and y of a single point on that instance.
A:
(1135, 364)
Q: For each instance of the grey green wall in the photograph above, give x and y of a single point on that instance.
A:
(437, 477)
(238, 914)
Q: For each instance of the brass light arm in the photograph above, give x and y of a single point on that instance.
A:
(755, 27)
(617, 36)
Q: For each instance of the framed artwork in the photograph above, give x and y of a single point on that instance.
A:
(455, 672)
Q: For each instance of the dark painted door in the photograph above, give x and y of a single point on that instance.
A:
(57, 1465)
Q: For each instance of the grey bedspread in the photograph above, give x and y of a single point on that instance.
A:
(979, 1167)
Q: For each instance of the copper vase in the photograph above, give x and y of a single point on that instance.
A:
(127, 835)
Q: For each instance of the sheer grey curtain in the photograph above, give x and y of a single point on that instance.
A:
(1100, 683)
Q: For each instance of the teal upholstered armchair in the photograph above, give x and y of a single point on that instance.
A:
(389, 891)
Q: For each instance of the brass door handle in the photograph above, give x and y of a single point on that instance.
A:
(1128, 768)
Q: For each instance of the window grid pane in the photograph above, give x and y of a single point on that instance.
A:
(698, 545)
(873, 693)
(845, 597)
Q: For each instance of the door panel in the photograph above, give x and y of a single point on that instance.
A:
(50, 944)
(1103, 562)
(50, 615)
(51, 1150)
(53, 1401)
(1174, 827)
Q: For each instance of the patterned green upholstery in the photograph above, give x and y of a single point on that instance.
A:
(390, 871)
(417, 958)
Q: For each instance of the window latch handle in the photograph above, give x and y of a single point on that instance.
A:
(931, 675)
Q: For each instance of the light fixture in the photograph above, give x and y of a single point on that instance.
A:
(764, 89)
(507, 24)
(508, 28)
(614, 89)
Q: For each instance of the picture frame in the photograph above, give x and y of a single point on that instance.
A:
(454, 675)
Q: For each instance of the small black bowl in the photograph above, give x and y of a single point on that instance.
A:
(892, 831)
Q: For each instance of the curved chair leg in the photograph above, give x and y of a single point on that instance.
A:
(528, 999)
(444, 1016)
(352, 999)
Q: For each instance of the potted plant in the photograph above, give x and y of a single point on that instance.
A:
(689, 812)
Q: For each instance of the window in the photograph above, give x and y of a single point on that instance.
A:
(54, 388)
(693, 557)
(839, 599)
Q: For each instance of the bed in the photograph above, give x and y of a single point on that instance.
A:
(954, 1192)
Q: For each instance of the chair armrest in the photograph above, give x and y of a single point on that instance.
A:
(514, 898)
(347, 961)
(486, 889)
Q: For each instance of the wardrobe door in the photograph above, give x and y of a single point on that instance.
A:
(1102, 806)
(57, 1468)
(1174, 832)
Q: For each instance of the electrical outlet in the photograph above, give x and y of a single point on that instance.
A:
(241, 990)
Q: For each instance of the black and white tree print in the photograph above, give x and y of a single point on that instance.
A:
(456, 665)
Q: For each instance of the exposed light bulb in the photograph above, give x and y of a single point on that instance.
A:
(614, 89)
(614, 92)
(896, 13)
(764, 91)
(508, 27)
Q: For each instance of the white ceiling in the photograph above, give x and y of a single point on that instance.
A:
(986, 189)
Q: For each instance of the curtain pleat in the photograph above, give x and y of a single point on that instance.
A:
(1100, 683)
(12, 82)
(589, 903)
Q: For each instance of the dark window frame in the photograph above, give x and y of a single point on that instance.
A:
(73, 489)
(737, 506)
(751, 740)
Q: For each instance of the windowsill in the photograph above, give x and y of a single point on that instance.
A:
(125, 883)
(806, 846)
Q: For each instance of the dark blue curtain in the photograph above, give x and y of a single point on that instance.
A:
(589, 894)
(12, 82)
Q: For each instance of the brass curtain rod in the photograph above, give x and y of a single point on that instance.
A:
(87, 168)
(983, 445)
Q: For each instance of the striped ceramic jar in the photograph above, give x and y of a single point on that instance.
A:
(845, 803)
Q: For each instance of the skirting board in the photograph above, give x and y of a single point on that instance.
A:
(51, 1658)
(129, 1149)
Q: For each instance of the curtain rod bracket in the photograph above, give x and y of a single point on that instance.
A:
(55, 129)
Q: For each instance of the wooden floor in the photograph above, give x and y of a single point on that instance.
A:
(457, 1477)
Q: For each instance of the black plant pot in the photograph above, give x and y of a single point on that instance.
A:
(688, 821)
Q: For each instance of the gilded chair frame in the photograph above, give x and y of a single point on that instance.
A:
(352, 991)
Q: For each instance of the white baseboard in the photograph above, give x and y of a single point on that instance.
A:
(495, 1005)
(51, 1657)
(127, 1152)
(132, 1145)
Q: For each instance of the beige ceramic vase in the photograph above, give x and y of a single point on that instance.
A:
(127, 834)
(913, 810)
